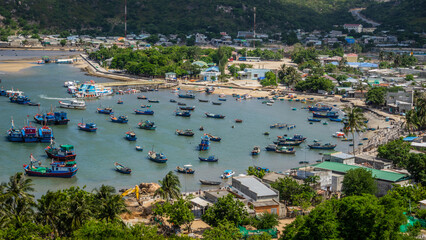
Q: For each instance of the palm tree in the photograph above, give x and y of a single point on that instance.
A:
(170, 187)
(355, 123)
(18, 187)
(109, 204)
(411, 120)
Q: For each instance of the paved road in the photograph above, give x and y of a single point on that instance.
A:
(356, 13)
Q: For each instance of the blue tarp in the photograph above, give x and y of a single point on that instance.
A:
(409, 139)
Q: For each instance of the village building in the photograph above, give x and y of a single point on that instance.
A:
(353, 27)
(253, 74)
(399, 102)
(210, 74)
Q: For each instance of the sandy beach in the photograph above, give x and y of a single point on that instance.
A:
(16, 66)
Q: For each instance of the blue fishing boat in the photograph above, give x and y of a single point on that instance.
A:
(147, 125)
(14, 135)
(326, 115)
(262, 169)
(139, 148)
(45, 134)
(314, 120)
(153, 101)
(213, 138)
(285, 150)
(271, 147)
(2, 92)
(157, 157)
(336, 120)
(327, 146)
(62, 153)
(284, 142)
(187, 95)
(296, 137)
(205, 143)
(185, 169)
(227, 174)
(172, 100)
(120, 101)
(120, 119)
(144, 112)
(131, 136)
(255, 151)
(88, 127)
(145, 106)
(65, 169)
(320, 108)
(104, 110)
(183, 113)
(29, 134)
(209, 159)
(56, 118)
(19, 99)
(211, 115)
(222, 99)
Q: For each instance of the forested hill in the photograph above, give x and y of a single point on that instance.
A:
(407, 14)
(179, 16)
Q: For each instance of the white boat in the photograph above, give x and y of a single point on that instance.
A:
(10, 93)
(269, 104)
(91, 90)
(72, 89)
(73, 104)
(227, 174)
(70, 84)
(339, 135)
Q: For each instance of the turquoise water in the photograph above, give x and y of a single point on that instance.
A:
(96, 152)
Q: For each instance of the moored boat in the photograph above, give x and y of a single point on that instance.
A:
(202, 100)
(211, 115)
(217, 103)
(238, 120)
(130, 136)
(213, 138)
(142, 97)
(45, 134)
(146, 106)
(181, 104)
(153, 101)
(187, 108)
(211, 158)
(144, 112)
(120, 101)
(19, 99)
(183, 113)
(185, 169)
(327, 146)
(157, 157)
(284, 142)
(255, 151)
(63, 153)
(325, 115)
(314, 120)
(209, 90)
(187, 95)
(88, 127)
(227, 174)
(107, 110)
(339, 135)
(271, 147)
(187, 132)
(73, 104)
(205, 143)
(29, 134)
(336, 119)
(147, 125)
(172, 100)
(56, 118)
(208, 182)
(120, 119)
(122, 169)
(57, 169)
(285, 150)
(222, 99)
(139, 148)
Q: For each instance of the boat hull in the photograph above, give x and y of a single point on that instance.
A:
(59, 174)
(208, 160)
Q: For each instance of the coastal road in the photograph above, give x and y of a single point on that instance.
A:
(357, 15)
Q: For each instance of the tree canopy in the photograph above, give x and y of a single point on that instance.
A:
(359, 181)
(226, 208)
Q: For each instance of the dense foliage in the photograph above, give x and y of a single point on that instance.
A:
(355, 217)
(416, 119)
(269, 80)
(178, 214)
(398, 152)
(376, 96)
(224, 230)
(226, 208)
(359, 181)
(180, 16)
(314, 84)
(260, 173)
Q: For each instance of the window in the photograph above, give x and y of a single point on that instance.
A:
(274, 210)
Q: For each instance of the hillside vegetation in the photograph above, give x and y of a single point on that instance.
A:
(189, 16)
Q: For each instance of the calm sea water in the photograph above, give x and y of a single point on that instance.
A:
(23, 54)
(96, 152)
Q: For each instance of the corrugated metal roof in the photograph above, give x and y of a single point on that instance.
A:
(382, 175)
(256, 186)
(342, 155)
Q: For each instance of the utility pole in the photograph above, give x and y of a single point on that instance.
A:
(254, 28)
(125, 19)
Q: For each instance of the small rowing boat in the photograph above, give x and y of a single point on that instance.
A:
(122, 169)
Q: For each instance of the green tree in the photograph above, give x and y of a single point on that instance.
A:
(314, 84)
(355, 122)
(269, 80)
(412, 121)
(224, 230)
(359, 181)
(397, 151)
(152, 39)
(226, 208)
(260, 173)
(63, 42)
(376, 96)
(266, 221)
(416, 166)
(170, 187)
(64, 34)
(179, 213)
(110, 205)
(409, 77)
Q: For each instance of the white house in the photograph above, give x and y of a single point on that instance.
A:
(355, 27)
(210, 74)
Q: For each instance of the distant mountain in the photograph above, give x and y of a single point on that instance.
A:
(181, 16)
(395, 14)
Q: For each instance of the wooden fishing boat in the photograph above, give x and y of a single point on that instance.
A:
(266, 133)
(185, 169)
(120, 119)
(45, 134)
(227, 174)
(187, 108)
(146, 106)
(87, 127)
(217, 103)
(202, 100)
(187, 95)
(144, 112)
(65, 169)
(104, 110)
(208, 182)
(211, 115)
(139, 148)
(255, 151)
(327, 146)
(130, 136)
(33, 104)
(120, 101)
(283, 142)
(122, 169)
(222, 99)
(61, 153)
(153, 101)
(209, 159)
(181, 104)
(304, 162)
(147, 125)
(262, 169)
(238, 120)
(183, 113)
(214, 138)
(172, 100)
(285, 150)
(157, 157)
(187, 132)
(314, 120)
(205, 143)
(142, 97)
(325, 115)
(336, 120)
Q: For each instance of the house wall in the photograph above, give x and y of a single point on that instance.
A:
(270, 209)
(336, 185)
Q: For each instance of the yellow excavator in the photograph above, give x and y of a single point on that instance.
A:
(135, 190)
